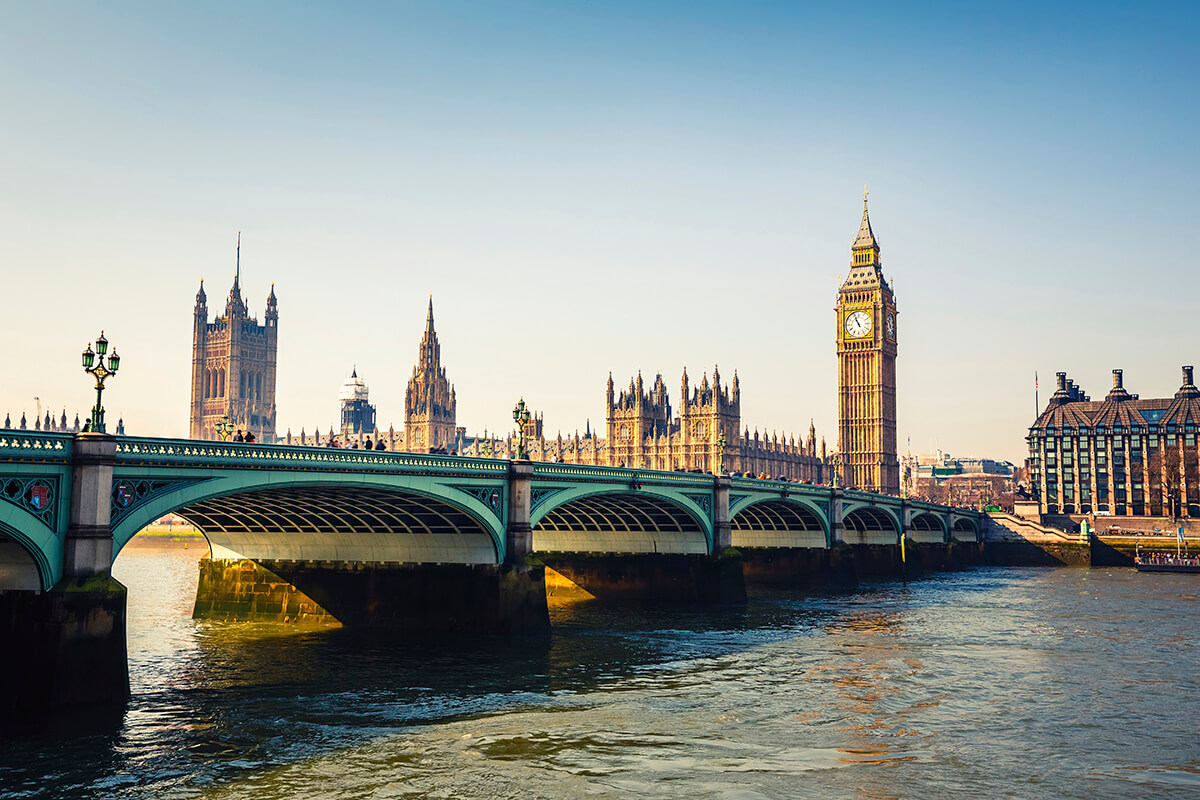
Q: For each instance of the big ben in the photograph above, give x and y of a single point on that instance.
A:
(866, 348)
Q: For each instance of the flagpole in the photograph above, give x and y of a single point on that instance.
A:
(1037, 407)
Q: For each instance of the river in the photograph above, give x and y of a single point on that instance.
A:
(992, 683)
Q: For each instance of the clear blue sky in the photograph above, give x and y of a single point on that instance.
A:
(586, 187)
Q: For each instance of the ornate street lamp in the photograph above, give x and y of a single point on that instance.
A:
(521, 417)
(100, 373)
(836, 461)
(721, 453)
(224, 427)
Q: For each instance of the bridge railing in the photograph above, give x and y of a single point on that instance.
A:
(544, 469)
(24, 445)
(188, 452)
(771, 485)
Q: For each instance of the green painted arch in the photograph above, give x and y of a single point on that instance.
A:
(776, 536)
(928, 515)
(42, 544)
(803, 502)
(965, 525)
(580, 492)
(851, 508)
(235, 483)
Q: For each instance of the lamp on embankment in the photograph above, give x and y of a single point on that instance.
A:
(521, 417)
(224, 427)
(100, 373)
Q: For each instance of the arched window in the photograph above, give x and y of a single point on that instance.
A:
(221, 382)
(258, 386)
(205, 384)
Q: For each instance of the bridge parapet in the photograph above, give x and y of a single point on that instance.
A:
(545, 470)
(24, 446)
(186, 452)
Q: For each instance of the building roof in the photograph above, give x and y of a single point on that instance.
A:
(1070, 408)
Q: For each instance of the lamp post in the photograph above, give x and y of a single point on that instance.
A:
(100, 373)
(224, 427)
(721, 454)
(521, 417)
(836, 461)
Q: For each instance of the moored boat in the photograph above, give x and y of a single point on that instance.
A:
(1166, 562)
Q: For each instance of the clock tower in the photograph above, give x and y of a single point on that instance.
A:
(866, 349)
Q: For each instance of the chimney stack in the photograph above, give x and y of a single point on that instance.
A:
(1118, 381)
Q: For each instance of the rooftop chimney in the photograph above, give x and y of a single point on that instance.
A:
(1118, 382)
(1189, 388)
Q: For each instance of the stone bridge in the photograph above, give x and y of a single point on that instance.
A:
(423, 542)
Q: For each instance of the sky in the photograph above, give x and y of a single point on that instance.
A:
(595, 187)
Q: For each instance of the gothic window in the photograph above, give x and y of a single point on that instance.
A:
(258, 386)
(221, 393)
(241, 385)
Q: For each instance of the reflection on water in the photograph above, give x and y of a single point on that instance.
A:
(997, 683)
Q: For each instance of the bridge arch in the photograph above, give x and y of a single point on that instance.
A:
(869, 524)
(965, 530)
(927, 526)
(30, 553)
(331, 517)
(619, 520)
(779, 522)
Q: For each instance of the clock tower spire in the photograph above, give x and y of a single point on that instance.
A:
(866, 349)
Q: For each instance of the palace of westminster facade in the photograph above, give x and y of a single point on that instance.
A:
(233, 379)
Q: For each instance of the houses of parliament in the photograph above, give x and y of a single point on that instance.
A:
(233, 377)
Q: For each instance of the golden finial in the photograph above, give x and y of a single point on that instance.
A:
(865, 194)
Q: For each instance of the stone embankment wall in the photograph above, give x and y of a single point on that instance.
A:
(845, 566)
(1017, 542)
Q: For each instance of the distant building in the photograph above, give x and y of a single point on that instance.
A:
(50, 424)
(975, 482)
(358, 415)
(233, 366)
(1122, 456)
(429, 401)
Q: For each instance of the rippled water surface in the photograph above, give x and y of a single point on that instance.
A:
(993, 683)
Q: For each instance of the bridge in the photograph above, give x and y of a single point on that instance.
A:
(423, 542)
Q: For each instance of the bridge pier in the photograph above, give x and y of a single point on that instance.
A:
(518, 533)
(640, 577)
(417, 598)
(65, 647)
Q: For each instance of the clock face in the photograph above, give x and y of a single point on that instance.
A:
(890, 325)
(858, 324)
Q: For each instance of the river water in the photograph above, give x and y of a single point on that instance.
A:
(993, 683)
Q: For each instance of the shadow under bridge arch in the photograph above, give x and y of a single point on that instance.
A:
(778, 523)
(620, 522)
(368, 524)
(869, 525)
(965, 530)
(927, 527)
